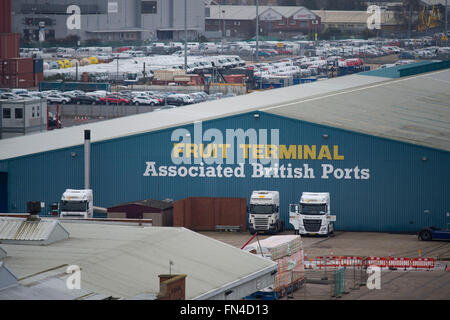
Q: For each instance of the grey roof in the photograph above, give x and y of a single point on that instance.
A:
(353, 17)
(231, 12)
(125, 261)
(352, 91)
(158, 204)
(3, 253)
(7, 277)
(49, 285)
(433, 2)
(413, 109)
(148, 122)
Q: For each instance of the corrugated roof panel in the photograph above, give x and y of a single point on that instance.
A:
(13, 229)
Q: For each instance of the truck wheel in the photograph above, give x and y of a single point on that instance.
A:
(426, 235)
(252, 232)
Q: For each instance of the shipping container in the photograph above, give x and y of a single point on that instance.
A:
(38, 78)
(69, 86)
(235, 78)
(9, 45)
(208, 214)
(168, 75)
(16, 66)
(38, 66)
(5, 16)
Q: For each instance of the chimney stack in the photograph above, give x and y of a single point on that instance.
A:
(87, 159)
(172, 287)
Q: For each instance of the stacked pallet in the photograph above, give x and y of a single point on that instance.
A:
(287, 251)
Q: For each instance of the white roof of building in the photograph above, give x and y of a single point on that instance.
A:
(125, 261)
(381, 116)
(153, 121)
(434, 2)
(229, 12)
(413, 109)
(352, 17)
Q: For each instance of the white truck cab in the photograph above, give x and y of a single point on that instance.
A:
(77, 204)
(312, 215)
(264, 212)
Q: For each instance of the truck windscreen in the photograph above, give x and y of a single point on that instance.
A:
(313, 209)
(262, 209)
(73, 206)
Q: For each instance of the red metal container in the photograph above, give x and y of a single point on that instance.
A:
(17, 66)
(38, 77)
(5, 16)
(25, 65)
(9, 45)
(25, 80)
(205, 214)
(235, 78)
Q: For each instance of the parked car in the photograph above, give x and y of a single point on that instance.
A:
(114, 99)
(9, 96)
(144, 101)
(84, 99)
(55, 98)
(175, 100)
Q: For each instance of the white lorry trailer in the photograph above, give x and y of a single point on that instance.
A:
(77, 204)
(264, 212)
(312, 215)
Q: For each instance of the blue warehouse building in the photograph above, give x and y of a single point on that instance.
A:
(380, 144)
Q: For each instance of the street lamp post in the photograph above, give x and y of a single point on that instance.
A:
(224, 29)
(185, 35)
(257, 30)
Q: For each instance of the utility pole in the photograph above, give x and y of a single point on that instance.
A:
(446, 14)
(257, 30)
(185, 35)
(224, 29)
(409, 21)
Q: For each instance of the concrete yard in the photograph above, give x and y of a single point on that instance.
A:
(395, 285)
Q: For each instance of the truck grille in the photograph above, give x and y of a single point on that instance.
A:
(312, 225)
(261, 223)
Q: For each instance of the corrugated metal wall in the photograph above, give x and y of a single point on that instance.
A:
(401, 188)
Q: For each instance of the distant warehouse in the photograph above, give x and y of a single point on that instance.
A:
(379, 142)
(109, 20)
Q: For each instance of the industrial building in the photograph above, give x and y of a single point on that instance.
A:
(108, 20)
(240, 21)
(379, 142)
(122, 262)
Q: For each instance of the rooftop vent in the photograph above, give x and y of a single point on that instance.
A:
(41, 232)
(3, 253)
(7, 277)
